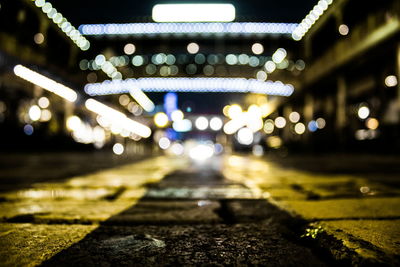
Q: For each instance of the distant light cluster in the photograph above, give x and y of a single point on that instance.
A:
(63, 24)
(232, 28)
(201, 85)
(310, 19)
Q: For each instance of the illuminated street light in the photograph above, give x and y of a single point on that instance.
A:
(46, 83)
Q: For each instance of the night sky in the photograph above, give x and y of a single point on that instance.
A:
(102, 11)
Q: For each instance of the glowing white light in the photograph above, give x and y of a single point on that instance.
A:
(205, 85)
(137, 61)
(46, 83)
(193, 12)
(279, 55)
(363, 112)
(34, 113)
(246, 29)
(182, 125)
(118, 118)
(201, 123)
(261, 75)
(164, 143)
(391, 81)
(99, 135)
(177, 149)
(38, 38)
(257, 48)
(73, 123)
(216, 124)
(142, 99)
(129, 49)
(245, 136)
(193, 48)
(235, 124)
(45, 115)
(254, 123)
(280, 122)
(270, 66)
(43, 102)
(294, 116)
(201, 152)
(299, 128)
(258, 150)
(63, 24)
(343, 29)
(177, 115)
(310, 19)
(234, 111)
(118, 149)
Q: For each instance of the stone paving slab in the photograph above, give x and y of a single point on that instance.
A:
(345, 208)
(168, 212)
(64, 211)
(187, 245)
(284, 194)
(382, 234)
(31, 244)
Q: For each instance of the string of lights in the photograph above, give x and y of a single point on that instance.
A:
(230, 28)
(63, 24)
(310, 19)
(199, 85)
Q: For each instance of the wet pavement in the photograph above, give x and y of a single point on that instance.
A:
(232, 210)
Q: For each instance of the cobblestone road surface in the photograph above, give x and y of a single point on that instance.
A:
(232, 210)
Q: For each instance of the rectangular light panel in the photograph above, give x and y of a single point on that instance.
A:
(193, 13)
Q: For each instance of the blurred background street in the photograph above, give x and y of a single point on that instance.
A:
(199, 133)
